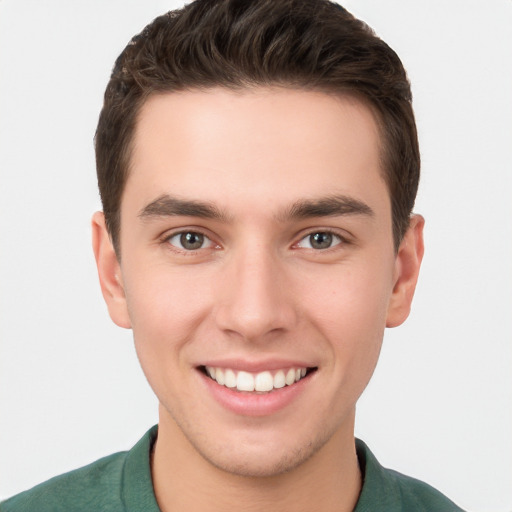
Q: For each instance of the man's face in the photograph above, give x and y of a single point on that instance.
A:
(256, 245)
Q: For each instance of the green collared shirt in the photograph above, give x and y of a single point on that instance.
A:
(122, 483)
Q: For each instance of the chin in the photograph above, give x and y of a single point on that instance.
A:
(261, 465)
(263, 459)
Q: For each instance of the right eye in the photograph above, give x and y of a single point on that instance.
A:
(190, 241)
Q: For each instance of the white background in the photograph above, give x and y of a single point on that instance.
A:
(440, 404)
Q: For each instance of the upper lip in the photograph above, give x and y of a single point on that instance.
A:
(256, 366)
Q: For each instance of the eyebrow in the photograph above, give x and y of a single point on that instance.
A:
(331, 206)
(168, 206)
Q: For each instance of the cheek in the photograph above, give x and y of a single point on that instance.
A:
(164, 298)
(354, 297)
(165, 309)
(351, 314)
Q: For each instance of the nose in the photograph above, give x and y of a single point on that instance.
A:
(255, 299)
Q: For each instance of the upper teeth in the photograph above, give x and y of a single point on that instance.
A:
(263, 381)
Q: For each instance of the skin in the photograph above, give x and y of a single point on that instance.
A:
(257, 290)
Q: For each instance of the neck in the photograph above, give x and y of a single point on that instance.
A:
(328, 481)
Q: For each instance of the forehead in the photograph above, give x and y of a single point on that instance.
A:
(265, 144)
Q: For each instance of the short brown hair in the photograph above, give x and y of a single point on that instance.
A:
(305, 44)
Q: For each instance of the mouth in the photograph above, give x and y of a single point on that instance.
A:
(257, 382)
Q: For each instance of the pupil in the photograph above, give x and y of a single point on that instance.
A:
(321, 240)
(191, 241)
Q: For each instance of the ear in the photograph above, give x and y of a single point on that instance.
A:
(109, 272)
(407, 268)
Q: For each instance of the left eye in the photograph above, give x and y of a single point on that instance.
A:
(190, 241)
(320, 240)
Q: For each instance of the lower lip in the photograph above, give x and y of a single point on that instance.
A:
(255, 404)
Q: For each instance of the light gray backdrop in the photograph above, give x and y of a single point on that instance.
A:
(439, 406)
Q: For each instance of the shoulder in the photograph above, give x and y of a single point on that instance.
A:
(119, 482)
(93, 487)
(385, 489)
(420, 496)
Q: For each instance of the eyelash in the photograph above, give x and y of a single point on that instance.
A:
(342, 240)
(167, 240)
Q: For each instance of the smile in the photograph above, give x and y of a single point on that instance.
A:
(262, 382)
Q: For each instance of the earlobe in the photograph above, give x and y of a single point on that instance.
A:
(407, 267)
(109, 272)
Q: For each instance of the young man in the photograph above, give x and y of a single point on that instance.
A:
(258, 165)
